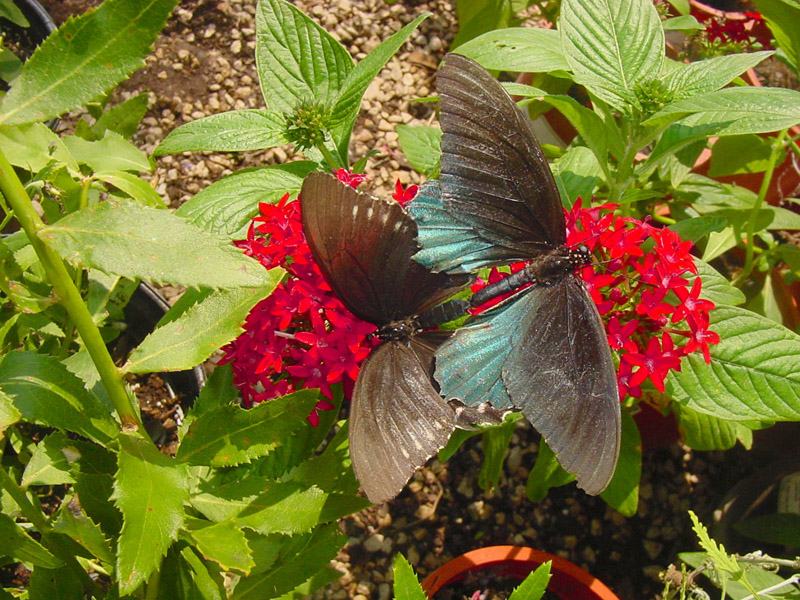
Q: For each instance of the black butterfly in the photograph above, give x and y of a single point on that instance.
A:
(363, 247)
(544, 350)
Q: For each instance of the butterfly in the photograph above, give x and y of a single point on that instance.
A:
(363, 247)
(543, 350)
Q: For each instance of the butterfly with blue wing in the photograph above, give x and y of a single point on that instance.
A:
(543, 350)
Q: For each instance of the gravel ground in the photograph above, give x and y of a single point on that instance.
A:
(204, 64)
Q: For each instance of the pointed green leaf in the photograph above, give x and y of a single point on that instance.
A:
(776, 528)
(18, 544)
(201, 582)
(298, 557)
(204, 328)
(223, 542)
(711, 74)
(283, 507)
(233, 131)
(518, 49)
(422, 146)
(49, 463)
(229, 435)
(44, 392)
(8, 413)
(722, 560)
(55, 584)
(34, 146)
(296, 59)
(112, 153)
(535, 584)
(406, 584)
(227, 206)
(86, 57)
(495, 445)
(317, 581)
(622, 492)
(138, 189)
(715, 287)
(612, 46)
(150, 490)
(546, 474)
(123, 118)
(139, 242)
(752, 375)
(700, 431)
(697, 228)
(783, 19)
(72, 521)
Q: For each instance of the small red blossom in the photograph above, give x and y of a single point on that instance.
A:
(404, 195)
(349, 178)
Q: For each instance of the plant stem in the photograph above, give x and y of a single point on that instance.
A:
(777, 147)
(328, 156)
(38, 520)
(70, 297)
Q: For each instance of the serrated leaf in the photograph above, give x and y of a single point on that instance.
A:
(34, 146)
(283, 507)
(227, 206)
(535, 584)
(760, 579)
(112, 153)
(229, 435)
(700, 431)
(202, 582)
(49, 463)
(752, 374)
(233, 131)
(8, 413)
(317, 581)
(722, 560)
(296, 59)
(84, 58)
(185, 576)
(297, 558)
(715, 287)
(518, 49)
(150, 490)
(123, 118)
(72, 521)
(139, 242)
(46, 393)
(622, 492)
(613, 47)
(138, 189)
(204, 328)
(421, 145)
(18, 544)
(406, 584)
(223, 542)
(711, 74)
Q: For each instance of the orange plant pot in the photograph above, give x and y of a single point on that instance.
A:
(568, 581)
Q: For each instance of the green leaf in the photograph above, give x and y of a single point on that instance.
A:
(722, 560)
(55, 584)
(9, 10)
(84, 58)
(112, 153)
(518, 49)
(697, 228)
(546, 474)
(406, 584)
(72, 521)
(613, 47)
(752, 374)
(783, 19)
(49, 463)
(44, 392)
(138, 189)
(622, 492)
(777, 528)
(204, 328)
(8, 413)
(700, 431)
(290, 563)
(150, 490)
(283, 507)
(184, 575)
(711, 74)
(479, 16)
(19, 545)
(589, 125)
(227, 206)
(228, 435)
(534, 585)
(34, 146)
(317, 581)
(223, 542)
(233, 131)
(715, 287)
(348, 100)
(495, 444)
(123, 118)
(748, 153)
(759, 579)
(422, 146)
(682, 23)
(579, 171)
(297, 61)
(139, 242)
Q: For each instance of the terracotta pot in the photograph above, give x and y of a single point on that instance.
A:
(568, 581)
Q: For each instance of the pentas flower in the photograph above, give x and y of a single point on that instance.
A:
(650, 301)
(301, 336)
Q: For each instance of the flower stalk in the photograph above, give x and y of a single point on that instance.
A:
(69, 296)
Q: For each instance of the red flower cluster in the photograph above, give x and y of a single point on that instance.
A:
(642, 296)
(741, 32)
(301, 336)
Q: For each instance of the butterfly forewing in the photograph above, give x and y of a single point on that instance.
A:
(398, 419)
(493, 172)
(363, 246)
(561, 375)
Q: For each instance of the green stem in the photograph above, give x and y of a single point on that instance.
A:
(38, 520)
(750, 231)
(69, 296)
(328, 156)
(153, 585)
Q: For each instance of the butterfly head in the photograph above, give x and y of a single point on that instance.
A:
(397, 330)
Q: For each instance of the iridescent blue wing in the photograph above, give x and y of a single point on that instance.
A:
(447, 243)
(494, 176)
(560, 373)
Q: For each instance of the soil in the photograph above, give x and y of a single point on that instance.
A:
(202, 64)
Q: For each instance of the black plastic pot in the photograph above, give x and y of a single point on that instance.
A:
(42, 24)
